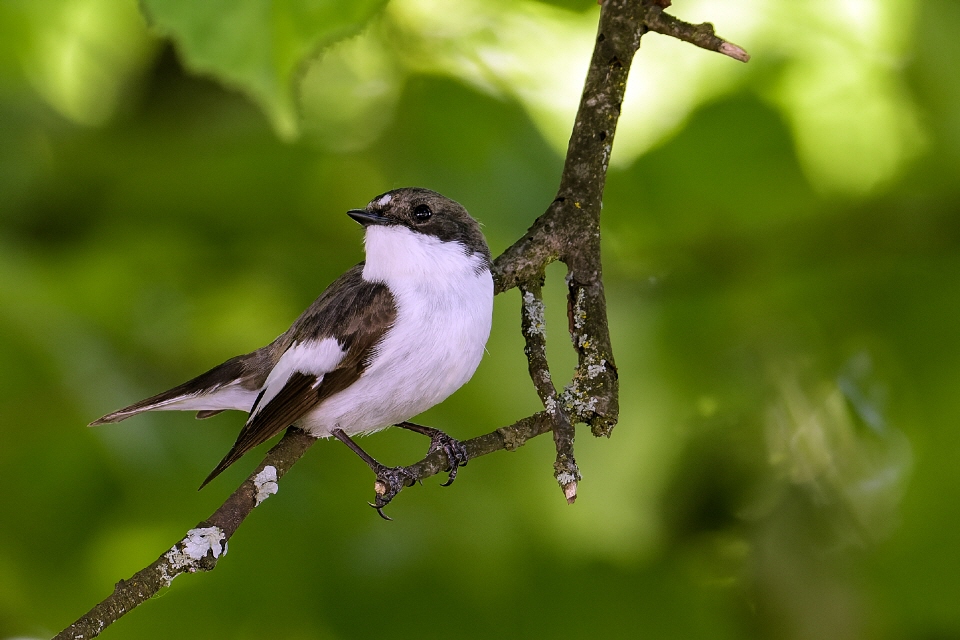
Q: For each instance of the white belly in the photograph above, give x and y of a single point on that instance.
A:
(433, 348)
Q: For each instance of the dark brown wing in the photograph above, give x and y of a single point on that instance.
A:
(358, 316)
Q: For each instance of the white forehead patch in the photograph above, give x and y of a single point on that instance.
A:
(384, 200)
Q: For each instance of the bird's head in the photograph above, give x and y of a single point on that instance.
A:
(419, 216)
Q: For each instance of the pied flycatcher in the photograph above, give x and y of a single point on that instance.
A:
(390, 338)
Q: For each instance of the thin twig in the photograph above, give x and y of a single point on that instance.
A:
(701, 35)
(533, 326)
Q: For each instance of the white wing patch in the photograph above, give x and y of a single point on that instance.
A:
(316, 357)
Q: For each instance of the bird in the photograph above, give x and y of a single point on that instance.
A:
(393, 336)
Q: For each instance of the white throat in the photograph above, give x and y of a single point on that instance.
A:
(396, 254)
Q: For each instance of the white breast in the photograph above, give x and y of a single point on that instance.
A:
(445, 306)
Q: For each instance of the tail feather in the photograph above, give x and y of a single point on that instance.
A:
(234, 380)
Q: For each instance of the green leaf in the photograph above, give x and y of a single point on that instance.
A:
(258, 46)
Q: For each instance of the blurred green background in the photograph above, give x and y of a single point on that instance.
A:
(782, 255)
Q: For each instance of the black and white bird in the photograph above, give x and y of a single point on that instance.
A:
(392, 337)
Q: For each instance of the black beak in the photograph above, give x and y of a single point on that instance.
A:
(367, 218)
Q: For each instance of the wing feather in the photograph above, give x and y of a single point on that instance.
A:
(358, 317)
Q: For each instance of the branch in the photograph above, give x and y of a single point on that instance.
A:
(203, 545)
(701, 35)
(533, 327)
(568, 231)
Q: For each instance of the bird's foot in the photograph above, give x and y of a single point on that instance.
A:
(453, 449)
(390, 482)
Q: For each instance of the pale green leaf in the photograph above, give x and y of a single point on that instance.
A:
(258, 46)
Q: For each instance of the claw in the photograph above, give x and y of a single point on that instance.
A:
(455, 451)
(390, 482)
(452, 476)
(380, 511)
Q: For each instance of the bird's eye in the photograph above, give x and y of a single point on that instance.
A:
(422, 213)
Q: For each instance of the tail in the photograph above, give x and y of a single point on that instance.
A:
(231, 385)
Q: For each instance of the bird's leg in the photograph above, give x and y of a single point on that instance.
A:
(390, 480)
(439, 441)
